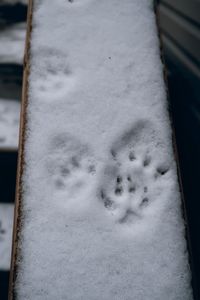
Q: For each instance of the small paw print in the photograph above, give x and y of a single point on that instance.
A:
(130, 191)
(70, 165)
(133, 179)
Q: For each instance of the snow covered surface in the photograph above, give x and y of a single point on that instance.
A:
(9, 123)
(101, 203)
(12, 41)
(6, 225)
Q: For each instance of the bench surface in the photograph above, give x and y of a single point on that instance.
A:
(98, 212)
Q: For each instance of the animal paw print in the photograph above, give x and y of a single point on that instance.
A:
(134, 179)
(70, 165)
(54, 76)
(132, 188)
(73, 173)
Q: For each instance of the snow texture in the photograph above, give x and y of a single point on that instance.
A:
(6, 225)
(101, 204)
(12, 41)
(9, 123)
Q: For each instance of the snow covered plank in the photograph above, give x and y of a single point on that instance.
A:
(6, 224)
(18, 194)
(12, 44)
(98, 201)
(9, 123)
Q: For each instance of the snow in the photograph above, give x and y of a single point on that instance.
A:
(9, 123)
(6, 224)
(101, 212)
(12, 41)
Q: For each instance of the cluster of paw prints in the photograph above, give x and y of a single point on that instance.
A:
(129, 192)
(130, 181)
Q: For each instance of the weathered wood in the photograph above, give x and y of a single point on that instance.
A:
(189, 8)
(18, 196)
(182, 32)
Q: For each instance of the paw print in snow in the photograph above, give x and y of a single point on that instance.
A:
(54, 76)
(70, 164)
(133, 180)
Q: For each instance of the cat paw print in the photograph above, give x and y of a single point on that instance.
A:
(70, 165)
(54, 76)
(132, 189)
(134, 179)
(73, 173)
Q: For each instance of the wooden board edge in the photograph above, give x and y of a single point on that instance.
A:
(20, 164)
(176, 154)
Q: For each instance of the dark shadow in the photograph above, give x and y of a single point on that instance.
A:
(10, 14)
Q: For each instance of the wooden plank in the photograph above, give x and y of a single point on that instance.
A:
(18, 195)
(183, 33)
(179, 57)
(17, 221)
(189, 8)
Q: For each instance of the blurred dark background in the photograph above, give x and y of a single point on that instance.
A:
(12, 41)
(180, 32)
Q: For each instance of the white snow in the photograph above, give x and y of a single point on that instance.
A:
(9, 123)
(101, 204)
(6, 225)
(12, 41)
